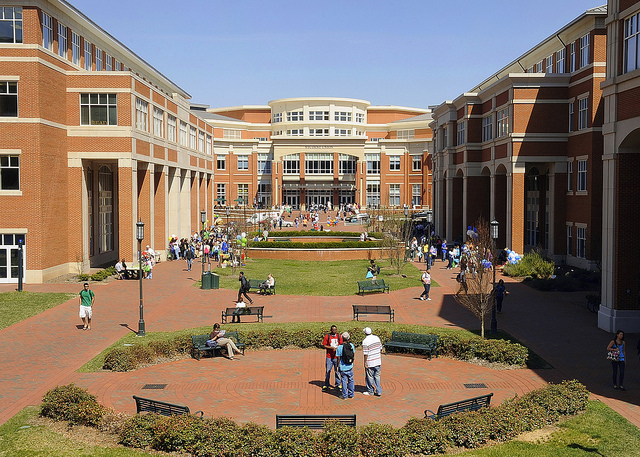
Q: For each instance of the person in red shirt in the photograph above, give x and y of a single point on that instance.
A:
(330, 342)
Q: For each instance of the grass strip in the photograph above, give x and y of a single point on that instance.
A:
(18, 306)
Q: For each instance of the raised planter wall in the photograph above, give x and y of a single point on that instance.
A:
(314, 254)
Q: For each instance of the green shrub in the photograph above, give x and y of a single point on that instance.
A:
(221, 437)
(309, 233)
(73, 404)
(337, 439)
(531, 264)
(468, 429)
(424, 436)
(381, 440)
(178, 433)
(316, 245)
(137, 431)
(83, 277)
(119, 359)
(294, 442)
(256, 440)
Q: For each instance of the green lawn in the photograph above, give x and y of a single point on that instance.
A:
(294, 277)
(18, 306)
(599, 431)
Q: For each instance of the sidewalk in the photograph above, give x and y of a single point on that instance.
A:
(264, 383)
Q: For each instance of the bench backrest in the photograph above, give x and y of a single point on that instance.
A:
(199, 340)
(371, 282)
(246, 310)
(471, 404)
(372, 309)
(418, 338)
(313, 421)
(159, 407)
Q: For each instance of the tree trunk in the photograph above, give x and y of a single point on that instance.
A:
(482, 326)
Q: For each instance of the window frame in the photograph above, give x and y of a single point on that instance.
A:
(221, 162)
(347, 164)
(583, 113)
(295, 116)
(502, 122)
(395, 163)
(571, 115)
(6, 88)
(631, 36)
(416, 194)
(585, 50)
(18, 31)
(569, 239)
(291, 164)
(561, 56)
(394, 194)
(76, 55)
(318, 163)
(416, 163)
(318, 115)
(572, 57)
(242, 162)
(487, 128)
(243, 193)
(461, 132)
(88, 55)
(570, 175)
(9, 164)
(342, 116)
(581, 241)
(142, 114)
(62, 40)
(582, 175)
(99, 57)
(47, 32)
(158, 122)
(171, 127)
(90, 104)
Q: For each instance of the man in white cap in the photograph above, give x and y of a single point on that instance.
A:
(371, 349)
(346, 354)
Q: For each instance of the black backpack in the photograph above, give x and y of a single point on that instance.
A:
(244, 283)
(347, 354)
(378, 269)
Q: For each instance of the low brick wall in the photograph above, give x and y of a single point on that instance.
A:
(314, 254)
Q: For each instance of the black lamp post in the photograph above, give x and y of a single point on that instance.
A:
(20, 263)
(227, 216)
(429, 222)
(494, 237)
(203, 219)
(406, 231)
(140, 237)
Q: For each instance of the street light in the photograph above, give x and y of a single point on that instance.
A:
(203, 219)
(494, 237)
(20, 263)
(429, 222)
(140, 237)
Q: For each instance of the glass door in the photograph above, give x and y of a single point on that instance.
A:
(10, 258)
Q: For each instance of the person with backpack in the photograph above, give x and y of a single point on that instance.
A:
(426, 282)
(346, 354)
(331, 342)
(244, 288)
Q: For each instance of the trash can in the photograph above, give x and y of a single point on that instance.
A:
(215, 281)
(206, 281)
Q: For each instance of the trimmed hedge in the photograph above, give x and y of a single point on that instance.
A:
(221, 436)
(308, 233)
(315, 245)
(531, 264)
(98, 275)
(449, 344)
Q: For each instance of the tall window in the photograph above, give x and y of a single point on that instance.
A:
(581, 245)
(98, 109)
(295, 116)
(183, 133)
(142, 114)
(394, 163)
(373, 163)
(171, 128)
(394, 194)
(539, 67)
(560, 56)
(569, 240)
(11, 24)
(487, 128)
(631, 43)
(158, 122)
(192, 137)
(108, 61)
(200, 141)
(416, 163)
(373, 194)
(318, 115)
(243, 162)
(209, 145)
(406, 134)
(571, 115)
(572, 57)
(47, 32)
(62, 40)
(75, 48)
(264, 194)
(582, 175)
(347, 164)
(221, 191)
(583, 113)
(462, 127)
(342, 116)
(9, 172)
(8, 99)
(264, 164)
(416, 194)
(502, 122)
(117, 66)
(87, 56)
(221, 162)
(548, 64)
(318, 164)
(291, 164)
(584, 51)
(243, 193)
(570, 176)
(98, 59)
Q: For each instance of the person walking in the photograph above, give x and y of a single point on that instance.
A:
(617, 345)
(372, 349)
(331, 342)
(188, 255)
(87, 299)
(426, 282)
(501, 291)
(244, 288)
(346, 354)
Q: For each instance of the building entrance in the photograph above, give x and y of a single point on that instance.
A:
(9, 257)
(291, 198)
(318, 197)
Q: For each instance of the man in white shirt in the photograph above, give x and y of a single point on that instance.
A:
(426, 282)
(372, 349)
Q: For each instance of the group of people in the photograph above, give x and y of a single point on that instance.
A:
(340, 358)
(264, 288)
(148, 258)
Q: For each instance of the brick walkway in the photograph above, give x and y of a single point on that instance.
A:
(557, 326)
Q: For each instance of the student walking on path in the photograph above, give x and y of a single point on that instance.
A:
(618, 366)
(426, 282)
(87, 299)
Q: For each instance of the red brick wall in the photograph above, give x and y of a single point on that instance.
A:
(628, 104)
(478, 198)
(517, 212)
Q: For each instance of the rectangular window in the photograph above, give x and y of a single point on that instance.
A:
(98, 109)
(560, 56)
(221, 191)
(583, 113)
(277, 117)
(631, 43)
(347, 164)
(117, 66)
(394, 163)
(461, 132)
(142, 115)
(373, 194)
(62, 40)
(87, 56)
(394, 194)
(416, 163)
(243, 193)
(47, 32)
(295, 132)
(221, 162)
(548, 64)
(416, 194)
(502, 123)
(570, 176)
(360, 118)
(200, 141)
(183, 133)
(11, 24)
(75, 48)
(569, 240)
(158, 122)
(243, 162)
(373, 163)
(261, 138)
(209, 145)
(264, 194)
(572, 57)
(487, 128)
(539, 67)
(318, 115)
(342, 116)
(318, 132)
(108, 60)
(171, 128)
(342, 132)
(571, 116)
(291, 164)
(582, 175)
(581, 245)
(98, 59)
(8, 99)
(584, 51)
(264, 164)
(406, 134)
(318, 164)
(295, 116)
(192, 137)
(232, 134)
(9, 172)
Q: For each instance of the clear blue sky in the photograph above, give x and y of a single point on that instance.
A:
(410, 53)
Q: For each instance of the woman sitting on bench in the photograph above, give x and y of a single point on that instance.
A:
(268, 284)
(216, 338)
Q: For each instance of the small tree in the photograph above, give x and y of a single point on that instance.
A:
(394, 235)
(479, 262)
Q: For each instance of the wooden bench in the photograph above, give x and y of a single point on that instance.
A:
(247, 311)
(373, 309)
(417, 341)
(146, 405)
(255, 284)
(199, 344)
(372, 285)
(472, 404)
(314, 421)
